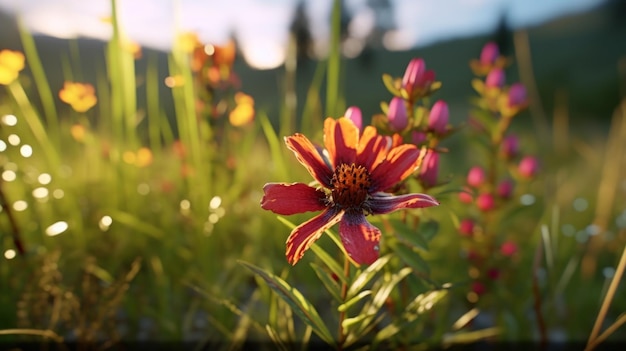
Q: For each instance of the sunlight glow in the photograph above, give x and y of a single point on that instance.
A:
(57, 228)
(44, 178)
(9, 175)
(26, 151)
(10, 254)
(40, 193)
(3, 146)
(9, 120)
(215, 202)
(20, 205)
(105, 222)
(14, 139)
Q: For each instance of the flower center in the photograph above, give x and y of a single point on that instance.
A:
(350, 185)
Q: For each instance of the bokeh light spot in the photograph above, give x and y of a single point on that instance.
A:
(10, 254)
(9, 120)
(14, 139)
(57, 228)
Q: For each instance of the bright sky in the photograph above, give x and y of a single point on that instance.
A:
(261, 26)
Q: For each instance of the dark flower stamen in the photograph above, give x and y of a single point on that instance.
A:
(350, 186)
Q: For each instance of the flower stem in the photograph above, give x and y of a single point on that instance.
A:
(344, 293)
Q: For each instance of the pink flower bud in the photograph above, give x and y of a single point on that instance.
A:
(416, 76)
(466, 227)
(517, 95)
(438, 117)
(476, 176)
(485, 202)
(353, 113)
(505, 189)
(397, 115)
(489, 54)
(478, 288)
(508, 248)
(418, 138)
(429, 169)
(465, 196)
(510, 146)
(495, 78)
(493, 273)
(528, 167)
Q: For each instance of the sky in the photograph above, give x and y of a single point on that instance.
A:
(261, 26)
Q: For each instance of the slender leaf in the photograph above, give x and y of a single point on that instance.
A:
(331, 285)
(412, 258)
(300, 305)
(346, 305)
(362, 279)
(390, 84)
(408, 235)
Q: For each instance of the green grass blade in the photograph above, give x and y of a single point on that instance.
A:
(300, 305)
(366, 276)
(333, 74)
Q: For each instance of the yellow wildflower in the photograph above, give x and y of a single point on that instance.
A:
(78, 95)
(243, 112)
(11, 63)
(188, 41)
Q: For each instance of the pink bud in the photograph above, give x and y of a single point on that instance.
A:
(528, 167)
(510, 146)
(517, 95)
(489, 54)
(466, 227)
(476, 176)
(429, 169)
(416, 76)
(418, 138)
(478, 288)
(505, 189)
(493, 273)
(397, 115)
(508, 248)
(495, 78)
(438, 117)
(465, 196)
(353, 113)
(485, 202)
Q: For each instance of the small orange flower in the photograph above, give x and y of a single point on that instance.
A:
(224, 55)
(81, 96)
(144, 157)
(78, 132)
(244, 112)
(11, 63)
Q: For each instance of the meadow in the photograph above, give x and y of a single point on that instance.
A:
(149, 198)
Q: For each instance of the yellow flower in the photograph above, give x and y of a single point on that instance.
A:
(244, 112)
(78, 132)
(188, 41)
(11, 63)
(78, 95)
(144, 157)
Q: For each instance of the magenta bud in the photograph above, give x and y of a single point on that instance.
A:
(353, 113)
(489, 54)
(528, 167)
(438, 117)
(466, 227)
(413, 74)
(517, 95)
(505, 189)
(466, 196)
(508, 248)
(397, 115)
(495, 78)
(476, 176)
(485, 202)
(429, 169)
(510, 146)
(418, 137)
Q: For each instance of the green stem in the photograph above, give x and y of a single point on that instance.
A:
(334, 62)
(344, 293)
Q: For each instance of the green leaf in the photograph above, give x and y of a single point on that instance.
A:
(469, 337)
(362, 279)
(389, 82)
(429, 229)
(331, 285)
(346, 305)
(294, 298)
(412, 258)
(408, 235)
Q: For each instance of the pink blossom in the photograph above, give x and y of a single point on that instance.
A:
(416, 76)
(495, 78)
(528, 167)
(429, 169)
(517, 95)
(489, 54)
(397, 115)
(465, 196)
(485, 202)
(510, 146)
(476, 176)
(438, 117)
(466, 227)
(508, 248)
(505, 189)
(418, 137)
(353, 113)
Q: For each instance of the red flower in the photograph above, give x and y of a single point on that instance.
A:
(353, 173)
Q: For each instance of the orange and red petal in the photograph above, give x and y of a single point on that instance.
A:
(288, 199)
(401, 161)
(341, 137)
(372, 149)
(381, 203)
(303, 236)
(310, 158)
(359, 237)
